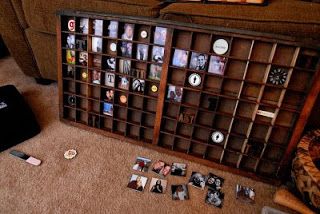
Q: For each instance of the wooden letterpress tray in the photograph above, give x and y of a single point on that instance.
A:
(238, 112)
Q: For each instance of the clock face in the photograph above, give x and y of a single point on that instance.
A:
(194, 79)
(144, 34)
(217, 137)
(123, 99)
(278, 76)
(154, 88)
(113, 47)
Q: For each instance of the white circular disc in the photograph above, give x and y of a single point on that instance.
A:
(144, 34)
(194, 79)
(70, 154)
(113, 47)
(217, 137)
(220, 46)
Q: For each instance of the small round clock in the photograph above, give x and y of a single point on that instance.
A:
(144, 34)
(278, 76)
(220, 46)
(217, 137)
(154, 88)
(194, 79)
(113, 47)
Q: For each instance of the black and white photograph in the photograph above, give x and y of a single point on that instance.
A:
(216, 65)
(71, 57)
(138, 85)
(214, 182)
(126, 49)
(98, 27)
(161, 168)
(158, 185)
(71, 41)
(83, 58)
(157, 54)
(108, 109)
(128, 32)
(142, 164)
(84, 25)
(137, 182)
(179, 169)
(245, 194)
(96, 77)
(175, 93)
(197, 180)
(180, 58)
(81, 43)
(142, 52)
(179, 192)
(111, 63)
(97, 59)
(96, 44)
(113, 29)
(198, 61)
(123, 83)
(155, 72)
(70, 71)
(109, 79)
(124, 66)
(109, 95)
(160, 35)
(214, 198)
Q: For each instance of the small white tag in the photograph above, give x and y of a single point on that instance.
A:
(265, 113)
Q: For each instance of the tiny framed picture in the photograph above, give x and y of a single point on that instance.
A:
(96, 77)
(175, 93)
(111, 63)
(70, 71)
(179, 192)
(198, 61)
(197, 180)
(158, 185)
(142, 164)
(245, 194)
(138, 85)
(157, 54)
(123, 83)
(96, 44)
(155, 72)
(214, 198)
(126, 49)
(214, 182)
(109, 79)
(161, 168)
(108, 109)
(81, 43)
(142, 52)
(83, 58)
(137, 182)
(160, 35)
(113, 29)
(84, 25)
(216, 65)
(109, 95)
(71, 57)
(71, 41)
(180, 58)
(128, 32)
(179, 169)
(124, 66)
(97, 59)
(98, 27)
(217, 137)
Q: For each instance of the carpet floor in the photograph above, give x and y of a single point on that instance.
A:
(95, 181)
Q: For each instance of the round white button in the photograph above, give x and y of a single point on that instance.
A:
(217, 137)
(113, 47)
(194, 79)
(144, 34)
(220, 46)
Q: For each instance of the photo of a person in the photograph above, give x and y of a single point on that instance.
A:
(123, 83)
(160, 35)
(179, 169)
(155, 72)
(179, 192)
(216, 65)
(138, 85)
(96, 44)
(97, 61)
(84, 25)
(109, 95)
(81, 43)
(142, 52)
(197, 180)
(142, 164)
(113, 29)
(165, 170)
(111, 63)
(98, 27)
(174, 93)
(158, 185)
(198, 61)
(128, 32)
(108, 109)
(137, 182)
(124, 66)
(71, 41)
(180, 58)
(83, 58)
(96, 77)
(126, 49)
(157, 54)
(214, 182)
(158, 166)
(245, 194)
(214, 197)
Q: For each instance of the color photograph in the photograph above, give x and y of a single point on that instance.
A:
(180, 58)
(197, 180)
(180, 192)
(198, 61)
(179, 169)
(142, 164)
(161, 168)
(216, 65)
(158, 185)
(137, 182)
(108, 109)
(175, 93)
(160, 35)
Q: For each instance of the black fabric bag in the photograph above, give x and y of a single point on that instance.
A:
(17, 121)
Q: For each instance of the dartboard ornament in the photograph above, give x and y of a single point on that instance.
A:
(278, 76)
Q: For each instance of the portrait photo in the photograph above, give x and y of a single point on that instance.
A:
(126, 49)
(109, 79)
(155, 72)
(123, 82)
(111, 63)
(138, 85)
(84, 25)
(137, 182)
(214, 182)
(214, 198)
(245, 194)
(96, 77)
(179, 192)
(197, 180)
(98, 27)
(108, 109)
(175, 93)
(158, 185)
(97, 61)
(216, 65)
(96, 44)
(71, 41)
(142, 52)
(179, 169)
(113, 29)
(83, 58)
(198, 61)
(70, 71)
(142, 164)
(161, 168)
(109, 95)
(124, 66)
(157, 54)
(160, 35)
(180, 58)
(128, 30)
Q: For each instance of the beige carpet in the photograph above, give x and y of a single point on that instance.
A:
(95, 181)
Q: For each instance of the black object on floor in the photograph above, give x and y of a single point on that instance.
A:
(42, 81)
(17, 121)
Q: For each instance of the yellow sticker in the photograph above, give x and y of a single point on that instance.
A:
(154, 88)
(84, 75)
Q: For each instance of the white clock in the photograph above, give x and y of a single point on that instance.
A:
(194, 79)
(217, 137)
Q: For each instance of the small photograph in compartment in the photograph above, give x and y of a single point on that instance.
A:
(261, 51)
(113, 29)
(126, 49)
(109, 79)
(217, 65)
(125, 66)
(194, 79)
(256, 72)
(137, 182)
(273, 153)
(97, 60)
(240, 127)
(109, 95)
(70, 57)
(83, 58)
(235, 143)
(96, 77)
(180, 192)
(158, 185)
(96, 45)
(214, 197)
(160, 35)
(180, 58)
(157, 54)
(179, 169)
(123, 83)
(110, 63)
(308, 59)
(235, 69)
(197, 180)
(97, 27)
(286, 118)
(142, 52)
(71, 41)
(155, 72)
(217, 137)
(108, 109)
(259, 131)
(220, 46)
(174, 93)
(128, 30)
(81, 43)
(70, 71)
(198, 61)
(278, 76)
(284, 55)
(241, 48)
(138, 85)
(250, 91)
(142, 164)
(83, 25)
(93, 121)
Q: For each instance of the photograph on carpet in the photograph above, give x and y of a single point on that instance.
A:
(96, 44)
(142, 164)
(70, 71)
(161, 168)
(179, 169)
(197, 180)
(214, 182)
(137, 182)
(214, 197)
(179, 192)
(128, 32)
(245, 194)
(158, 185)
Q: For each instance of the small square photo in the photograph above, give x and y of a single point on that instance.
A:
(98, 27)
(97, 61)
(214, 197)
(84, 25)
(128, 32)
(180, 58)
(113, 29)
(197, 180)
(83, 58)
(214, 182)
(111, 63)
(245, 194)
(180, 192)
(108, 109)
(175, 93)
(198, 61)
(158, 185)
(138, 85)
(160, 35)
(216, 65)
(137, 182)
(124, 66)
(161, 168)
(157, 54)
(96, 44)
(179, 169)
(71, 41)
(109, 79)
(109, 95)
(155, 72)
(126, 49)
(142, 164)
(123, 83)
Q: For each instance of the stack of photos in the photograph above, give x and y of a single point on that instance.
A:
(214, 195)
(180, 192)
(138, 85)
(158, 185)
(175, 93)
(108, 109)
(137, 182)
(161, 168)
(179, 169)
(142, 164)
(245, 194)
